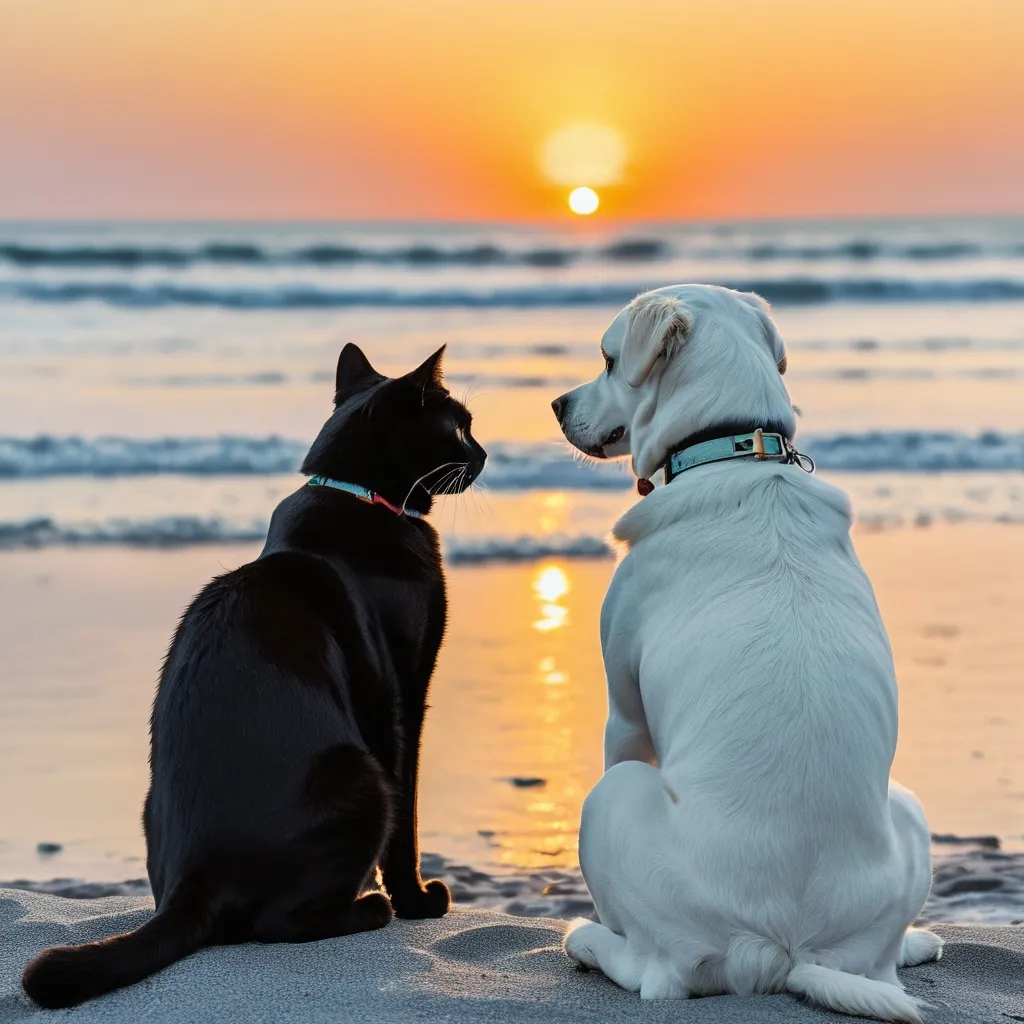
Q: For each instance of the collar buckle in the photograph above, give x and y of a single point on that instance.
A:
(756, 445)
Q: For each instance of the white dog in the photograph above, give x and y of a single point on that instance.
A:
(745, 836)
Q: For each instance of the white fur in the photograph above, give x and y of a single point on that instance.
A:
(745, 836)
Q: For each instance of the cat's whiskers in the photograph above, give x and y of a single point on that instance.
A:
(474, 490)
(444, 493)
(447, 486)
(443, 486)
(479, 493)
(456, 488)
(470, 384)
(440, 487)
(429, 473)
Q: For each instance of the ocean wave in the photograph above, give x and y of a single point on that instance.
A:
(868, 249)
(328, 254)
(914, 373)
(176, 531)
(787, 291)
(278, 378)
(514, 467)
(159, 532)
(916, 451)
(342, 253)
(183, 531)
(932, 344)
(511, 466)
(48, 456)
(524, 549)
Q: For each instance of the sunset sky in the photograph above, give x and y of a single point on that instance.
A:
(440, 109)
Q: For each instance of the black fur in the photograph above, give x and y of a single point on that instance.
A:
(286, 726)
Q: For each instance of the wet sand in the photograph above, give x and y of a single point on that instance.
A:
(974, 883)
(513, 740)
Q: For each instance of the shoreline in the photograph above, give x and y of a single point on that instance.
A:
(975, 882)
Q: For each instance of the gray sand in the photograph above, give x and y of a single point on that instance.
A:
(472, 965)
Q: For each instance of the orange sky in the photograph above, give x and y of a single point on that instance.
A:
(436, 109)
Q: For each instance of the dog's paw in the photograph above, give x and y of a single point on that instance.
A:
(433, 900)
(919, 947)
(576, 946)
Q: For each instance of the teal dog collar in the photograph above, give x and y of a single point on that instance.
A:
(757, 445)
(363, 494)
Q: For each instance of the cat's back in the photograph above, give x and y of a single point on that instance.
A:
(286, 612)
(258, 668)
(253, 689)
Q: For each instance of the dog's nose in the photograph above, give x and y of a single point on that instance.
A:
(559, 405)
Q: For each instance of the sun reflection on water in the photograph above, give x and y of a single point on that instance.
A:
(553, 512)
(525, 703)
(549, 672)
(550, 584)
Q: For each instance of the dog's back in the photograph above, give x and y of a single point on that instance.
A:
(765, 841)
(747, 594)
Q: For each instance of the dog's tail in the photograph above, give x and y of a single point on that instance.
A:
(854, 994)
(69, 975)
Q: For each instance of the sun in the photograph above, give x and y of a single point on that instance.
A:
(583, 200)
(584, 151)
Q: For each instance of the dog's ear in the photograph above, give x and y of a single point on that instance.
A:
(768, 328)
(354, 370)
(657, 325)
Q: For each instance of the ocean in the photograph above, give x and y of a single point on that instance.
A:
(159, 385)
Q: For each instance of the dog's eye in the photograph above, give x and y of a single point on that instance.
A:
(609, 364)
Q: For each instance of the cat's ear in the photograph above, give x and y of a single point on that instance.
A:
(354, 370)
(429, 372)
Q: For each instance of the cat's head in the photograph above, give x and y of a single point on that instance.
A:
(404, 437)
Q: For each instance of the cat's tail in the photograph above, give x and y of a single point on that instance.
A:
(69, 975)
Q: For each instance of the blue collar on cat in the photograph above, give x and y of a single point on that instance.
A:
(363, 494)
(757, 445)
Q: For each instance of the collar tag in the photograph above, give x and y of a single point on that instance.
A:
(363, 494)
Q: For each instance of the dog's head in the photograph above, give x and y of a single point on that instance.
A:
(679, 361)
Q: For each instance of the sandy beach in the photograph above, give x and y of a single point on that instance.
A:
(469, 966)
(154, 412)
(513, 744)
(204, 205)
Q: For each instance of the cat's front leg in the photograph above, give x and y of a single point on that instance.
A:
(410, 896)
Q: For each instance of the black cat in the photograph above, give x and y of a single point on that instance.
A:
(286, 726)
